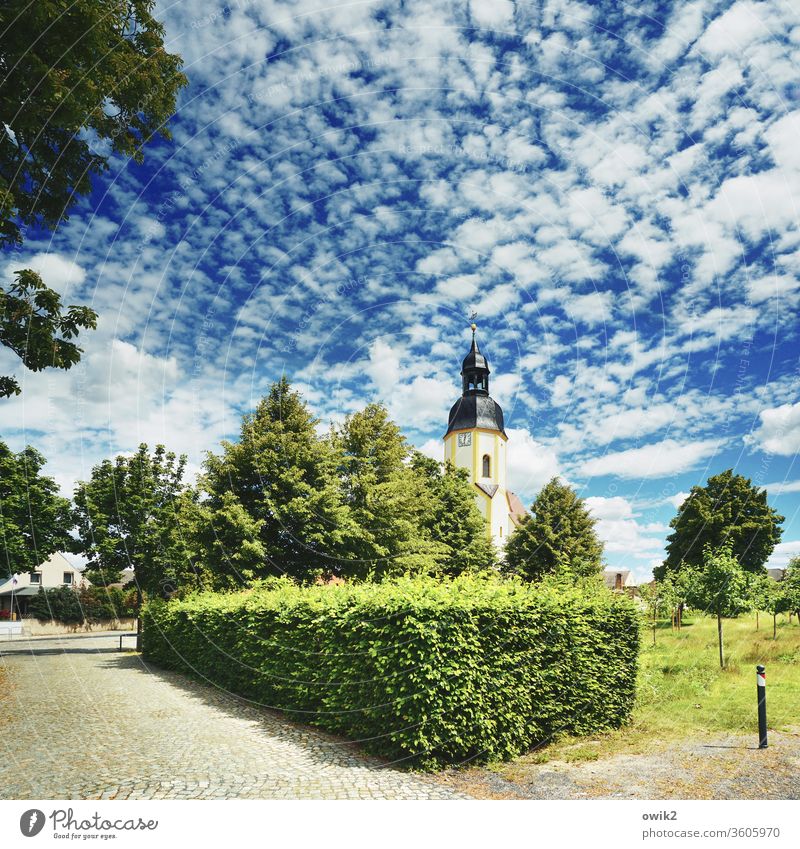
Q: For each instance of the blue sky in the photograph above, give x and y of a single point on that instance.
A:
(611, 187)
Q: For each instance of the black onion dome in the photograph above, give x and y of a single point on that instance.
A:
(475, 408)
(476, 411)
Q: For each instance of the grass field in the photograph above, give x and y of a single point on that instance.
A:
(683, 693)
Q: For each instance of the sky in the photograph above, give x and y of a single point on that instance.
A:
(612, 188)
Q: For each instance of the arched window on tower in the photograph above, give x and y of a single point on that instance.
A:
(487, 466)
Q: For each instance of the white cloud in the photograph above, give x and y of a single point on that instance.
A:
(530, 463)
(779, 432)
(652, 461)
(56, 271)
(414, 400)
(783, 553)
(492, 13)
(677, 499)
(591, 309)
(773, 286)
(781, 487)
(734, 30)
(627, 542)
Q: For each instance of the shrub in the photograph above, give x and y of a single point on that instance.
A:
(60, 604)
(74, 606)
(421, 671)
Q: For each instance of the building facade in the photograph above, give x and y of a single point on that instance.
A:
(17, 590)
(476, 441)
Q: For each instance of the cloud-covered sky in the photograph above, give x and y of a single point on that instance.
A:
(613, 188)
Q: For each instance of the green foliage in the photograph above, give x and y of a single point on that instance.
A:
(427, 672)
(79, 82)
(59, 604)
(74, 606)
(451, 518)
(38, 331)
(34, 519)
(721, 587)
(272, 503)
(128, 515)
(356, 503)
(727, 510)
(788, 590)
(660, 599)
(558, 537)
(387, 501)
(100, 604)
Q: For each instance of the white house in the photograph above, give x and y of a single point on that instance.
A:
(619, 580)
(55, 572)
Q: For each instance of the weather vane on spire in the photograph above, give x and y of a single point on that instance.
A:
(473, 314)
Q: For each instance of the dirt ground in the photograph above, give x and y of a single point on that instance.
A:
(717, 768)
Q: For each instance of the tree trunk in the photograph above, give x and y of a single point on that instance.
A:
(138, 618)
(774, 626)
(719, 635)
(756, 620)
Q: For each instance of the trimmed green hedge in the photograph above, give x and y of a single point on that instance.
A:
(420, 671)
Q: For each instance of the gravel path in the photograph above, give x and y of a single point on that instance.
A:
(716, 768)
(80, 720)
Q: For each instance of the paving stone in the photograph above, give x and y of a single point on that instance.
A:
(97, 723)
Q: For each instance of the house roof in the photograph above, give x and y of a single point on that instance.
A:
(516, 509)
(610, 577)
(33, 589)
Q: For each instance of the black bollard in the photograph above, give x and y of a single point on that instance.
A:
(761, 690)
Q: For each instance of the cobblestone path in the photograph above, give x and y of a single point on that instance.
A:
(80, 720)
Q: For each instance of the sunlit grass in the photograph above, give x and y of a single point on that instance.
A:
(683, 693)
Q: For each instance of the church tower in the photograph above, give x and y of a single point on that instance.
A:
(476, 441)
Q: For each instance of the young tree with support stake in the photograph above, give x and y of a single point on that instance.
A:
(658, 597)
(722, 587)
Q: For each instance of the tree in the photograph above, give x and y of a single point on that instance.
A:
(38, 331)
(387, 500)
(558, 537)
(271, 503)
(789, 593)
(771, 598)
(659, 597)
(127, 517)
(452, 518)
(763, 591)
(34, 519)
(722, 587)
(728, 509)
(81, 82)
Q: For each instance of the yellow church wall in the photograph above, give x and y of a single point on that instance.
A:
(494, 510)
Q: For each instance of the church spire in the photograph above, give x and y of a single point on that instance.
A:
(474, 370)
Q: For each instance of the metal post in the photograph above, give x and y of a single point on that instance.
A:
(761, 690)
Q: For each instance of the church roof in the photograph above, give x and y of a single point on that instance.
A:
(475, 411)
(475, 407)
(474, 359)
(516, 509)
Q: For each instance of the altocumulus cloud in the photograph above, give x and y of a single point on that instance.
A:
(611, 187)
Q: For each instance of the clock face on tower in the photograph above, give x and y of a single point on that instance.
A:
(464, 440)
